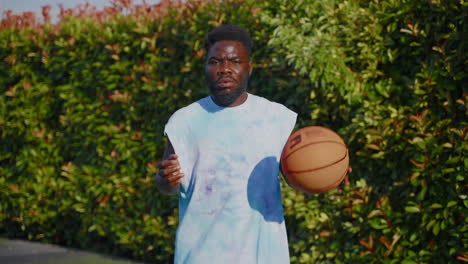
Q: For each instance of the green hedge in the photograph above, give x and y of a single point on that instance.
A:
(391, 77)
(83, 104)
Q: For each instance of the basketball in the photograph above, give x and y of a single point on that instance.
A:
(315, 159)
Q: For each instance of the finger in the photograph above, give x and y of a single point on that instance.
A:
(171, 171)
(175, 183)
(350, 169)
(173, 157)
(175, 179)
(168, 171)
(174, 176)
(168, 163)
(346, 180)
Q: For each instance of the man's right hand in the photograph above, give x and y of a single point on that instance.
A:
(169, 170)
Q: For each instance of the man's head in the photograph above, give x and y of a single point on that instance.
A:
(229, 32)
(228, 64)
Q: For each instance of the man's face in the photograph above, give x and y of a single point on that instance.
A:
(227, 72)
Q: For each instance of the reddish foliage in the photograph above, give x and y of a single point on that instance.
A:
(137, 12)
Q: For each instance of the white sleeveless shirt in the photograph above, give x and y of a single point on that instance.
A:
(230, 208)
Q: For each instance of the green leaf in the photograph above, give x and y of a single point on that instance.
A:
(412, 209)
(408, 262)
(419, 142)
(436, 228)
(451, 203)
(378, 223)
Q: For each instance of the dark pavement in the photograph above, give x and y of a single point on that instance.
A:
(26, 252)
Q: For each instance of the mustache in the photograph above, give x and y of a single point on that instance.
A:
(225, 78)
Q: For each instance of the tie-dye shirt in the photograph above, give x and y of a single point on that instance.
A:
(230, 208)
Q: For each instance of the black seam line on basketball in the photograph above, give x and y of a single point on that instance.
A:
(329, 187)
(314, 169)
(308, 144)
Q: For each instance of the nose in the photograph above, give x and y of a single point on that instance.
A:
(224, 68)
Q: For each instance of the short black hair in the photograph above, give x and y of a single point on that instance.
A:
(229, 32)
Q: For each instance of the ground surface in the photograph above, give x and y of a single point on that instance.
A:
(26, 252)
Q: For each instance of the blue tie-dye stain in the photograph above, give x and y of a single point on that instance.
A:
(208, 189)
(263, 190)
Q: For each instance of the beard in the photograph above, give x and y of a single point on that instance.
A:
(224, 99)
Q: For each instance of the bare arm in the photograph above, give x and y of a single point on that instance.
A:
(169, 176)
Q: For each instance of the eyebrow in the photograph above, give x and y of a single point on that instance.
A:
(216, 58)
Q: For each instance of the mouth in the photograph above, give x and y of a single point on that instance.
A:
(225, 83)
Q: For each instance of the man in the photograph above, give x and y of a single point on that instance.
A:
(223, 161)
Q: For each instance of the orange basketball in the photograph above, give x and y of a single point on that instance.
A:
(315, 159)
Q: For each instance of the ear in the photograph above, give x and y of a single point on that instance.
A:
(250, 68)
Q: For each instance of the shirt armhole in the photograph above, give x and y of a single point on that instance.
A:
(178, 143)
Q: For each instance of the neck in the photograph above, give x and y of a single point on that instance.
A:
(239, 100)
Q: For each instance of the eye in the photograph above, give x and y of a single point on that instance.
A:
(235, 61)
(213, 62)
